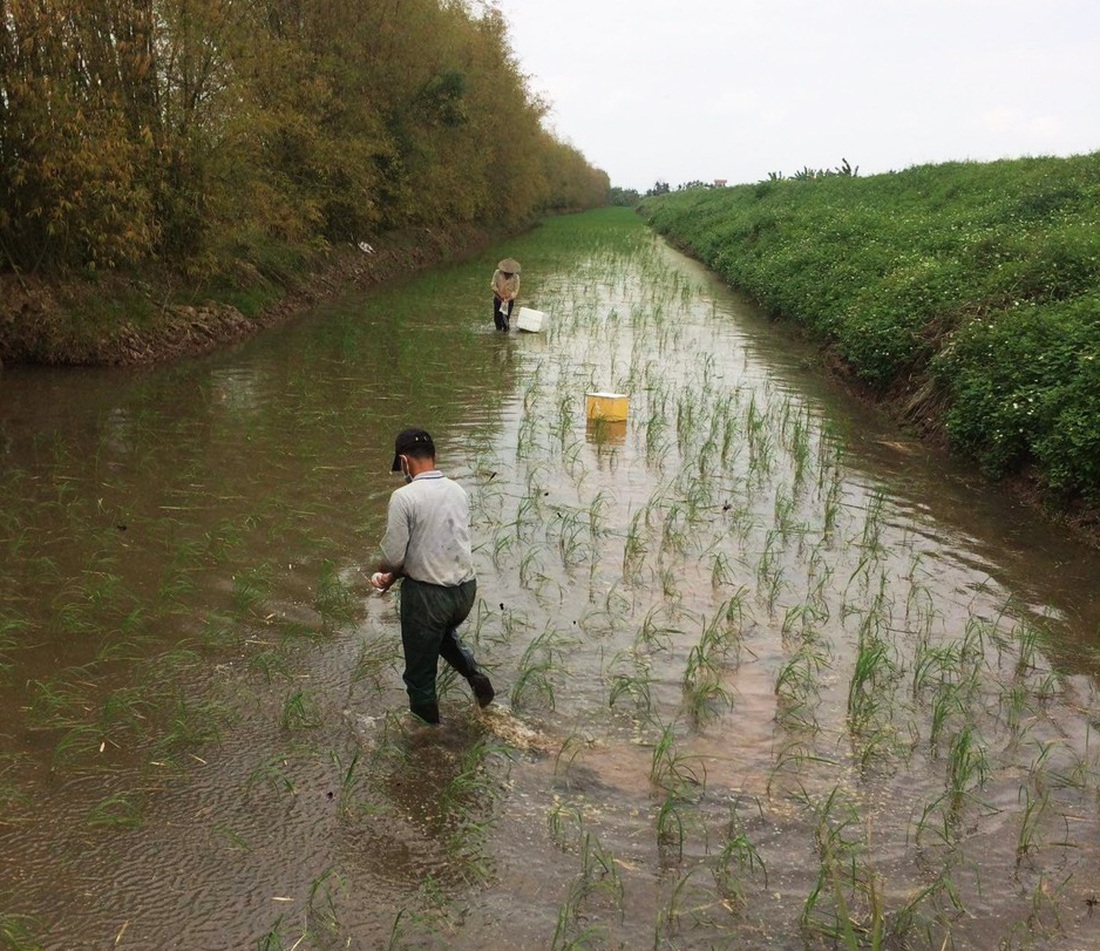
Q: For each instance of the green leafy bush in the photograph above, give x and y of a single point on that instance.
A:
(1026, 385)
(985, 275)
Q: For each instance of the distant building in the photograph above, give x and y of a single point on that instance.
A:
(719, 183)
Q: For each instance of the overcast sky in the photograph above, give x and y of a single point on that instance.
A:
(685, 90)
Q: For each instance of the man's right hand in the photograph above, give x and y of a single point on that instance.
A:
(382, 580)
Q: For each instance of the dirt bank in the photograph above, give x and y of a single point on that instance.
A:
(44, 321)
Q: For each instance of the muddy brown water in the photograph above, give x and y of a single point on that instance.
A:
(768, 671)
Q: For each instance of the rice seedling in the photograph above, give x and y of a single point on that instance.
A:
(721, 572)
(334, 599)
(540, 663)
(653, 635)
(57, 702)
(687, 413)
(527, 435)
(794, 758)
(1084, 771)
(301, 711)
(567, 414)
(272, 939)
(932, 666)
(1029, 639)
(674, 529)
(946, 702)
(376, 657)
(269, 664)
(846, 904)
(736, 858)
(967, 766)
(80, 741)
(570, 936)
(1030, 837)
(800, 621)
(873, 672)
(672, 770)
(597, 887)
(230, 837)
(422, 922)
(223, 540)
(351, 779)
(1016, 708)
(729, 445)
(274, 773)
(119, 810)
(1048, 687)
(503, 543)
(761, 455)
(704, 694)
(75, 614)
(634, 550)
(871, 539)
(831, 506)
(125, 710)
(783, 516)
(799, 444)
(670, 828)
(572, 746)
(796, 687)
(189, 723)
(17, 932)
(116, 648)
(571, 534)
(251, 587)
(693, 907)
(565, 824)
(819, 578)
(670, 583)
(633, 683)
(321, 918)
(529, 513)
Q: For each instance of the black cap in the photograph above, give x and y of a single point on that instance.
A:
(415, 442)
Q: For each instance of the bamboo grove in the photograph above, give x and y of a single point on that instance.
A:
(134, 131)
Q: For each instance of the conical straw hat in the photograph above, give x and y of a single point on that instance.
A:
(509, 266)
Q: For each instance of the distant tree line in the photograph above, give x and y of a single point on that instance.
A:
(807, 174)
(627, 197)
(135, 130)
(661, 187)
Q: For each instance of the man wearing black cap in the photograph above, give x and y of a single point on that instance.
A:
(427, 543)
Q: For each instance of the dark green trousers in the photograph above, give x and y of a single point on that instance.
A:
(430, 616)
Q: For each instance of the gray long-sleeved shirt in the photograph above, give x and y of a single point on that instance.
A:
(428, 531)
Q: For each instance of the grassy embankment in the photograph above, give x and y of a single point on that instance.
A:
(158, 311)
(967, 294)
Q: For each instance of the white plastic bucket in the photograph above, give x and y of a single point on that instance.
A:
(530, 320)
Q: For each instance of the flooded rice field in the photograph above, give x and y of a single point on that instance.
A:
(768, 672)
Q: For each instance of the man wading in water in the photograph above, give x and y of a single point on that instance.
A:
(505, 286)
(427, 543)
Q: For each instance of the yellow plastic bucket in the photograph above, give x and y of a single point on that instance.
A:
(611, 407)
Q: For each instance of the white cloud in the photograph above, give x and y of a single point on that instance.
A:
(772, 85)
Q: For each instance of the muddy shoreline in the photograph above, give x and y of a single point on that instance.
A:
(35, 311)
